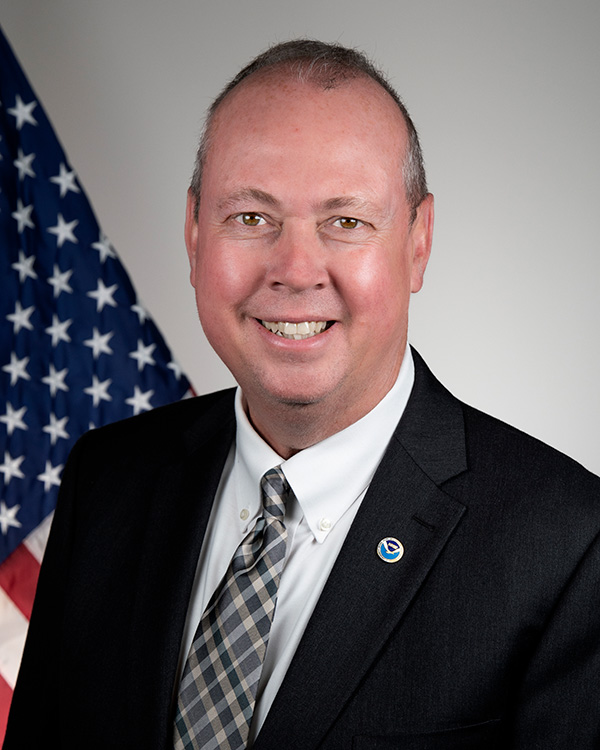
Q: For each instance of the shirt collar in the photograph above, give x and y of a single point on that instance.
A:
(330, 476)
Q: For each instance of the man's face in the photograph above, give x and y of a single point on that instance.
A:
(303, 256)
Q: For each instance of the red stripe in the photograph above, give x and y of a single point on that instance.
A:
(18, 577)
(5, 699)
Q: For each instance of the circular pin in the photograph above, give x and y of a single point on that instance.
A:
(390, 550)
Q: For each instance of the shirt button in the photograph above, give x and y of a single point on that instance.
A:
(324, 524)
(244, 514)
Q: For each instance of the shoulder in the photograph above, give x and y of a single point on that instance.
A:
(527, 486)
(542, 499)
(169, 430)
(499, 450)
(494, 461)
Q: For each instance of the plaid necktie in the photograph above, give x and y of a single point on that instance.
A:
(220, 679)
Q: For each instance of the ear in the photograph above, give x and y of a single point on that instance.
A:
(422, 237)
(191, 233)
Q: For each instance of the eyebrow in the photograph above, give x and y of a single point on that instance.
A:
(248, 194)
(346, 201)
(337, 203)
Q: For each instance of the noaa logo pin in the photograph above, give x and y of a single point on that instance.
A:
(390, 550)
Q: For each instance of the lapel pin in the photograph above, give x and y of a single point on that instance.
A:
(390, 550)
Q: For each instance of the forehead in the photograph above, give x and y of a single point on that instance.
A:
(271, 105)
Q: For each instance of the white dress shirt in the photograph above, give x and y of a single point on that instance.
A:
(329, 481)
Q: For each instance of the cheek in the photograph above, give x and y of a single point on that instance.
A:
(214, 311)
(378, 286)
(221, 277)
(224, 281)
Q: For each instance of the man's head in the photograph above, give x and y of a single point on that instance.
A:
(328, 66)
(304, 247)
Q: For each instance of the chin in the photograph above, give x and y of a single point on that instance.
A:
(298, 401)
(285, 386)
(284, 395)
(288, 397)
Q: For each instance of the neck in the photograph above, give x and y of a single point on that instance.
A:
(291, 427)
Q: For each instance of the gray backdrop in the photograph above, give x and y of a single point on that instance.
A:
(505, 96)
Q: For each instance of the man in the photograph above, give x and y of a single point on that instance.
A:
(441, 571)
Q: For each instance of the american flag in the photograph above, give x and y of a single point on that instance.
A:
(77, 348)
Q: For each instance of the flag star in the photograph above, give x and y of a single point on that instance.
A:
(8, 517)
(64, 230)
(140, 401)
(139, 310)
(65, 180)
(103, 295)
(23, 164)
(99, 343)
(23, 112)
(104, 248)
(23, 216)
(56, 380)
(176, 367)
(20, 318)
(60, 281)
(143, 354)
(50, 477)
(14, 418)
(17, 368)
(11, 467)
(58, 330)
(25, 267)
(99, 391)
(56, 428)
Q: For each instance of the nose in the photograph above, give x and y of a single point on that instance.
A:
(297, 260)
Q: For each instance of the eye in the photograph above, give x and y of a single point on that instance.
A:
(250, 219)
(347, 222)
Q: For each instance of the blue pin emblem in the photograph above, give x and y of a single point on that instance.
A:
(390, 550)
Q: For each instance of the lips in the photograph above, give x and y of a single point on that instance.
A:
(296, 331)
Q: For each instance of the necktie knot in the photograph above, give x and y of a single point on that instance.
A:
(275, 493)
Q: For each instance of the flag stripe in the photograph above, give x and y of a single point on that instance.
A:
(5, 698)
(18, 577)
(36, 541)
(13, 630)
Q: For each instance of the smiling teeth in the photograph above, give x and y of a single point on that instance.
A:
(296, 331)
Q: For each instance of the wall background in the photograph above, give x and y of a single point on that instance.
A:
(506, 99)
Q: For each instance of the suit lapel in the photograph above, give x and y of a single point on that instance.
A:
(180, 501)
(365, 598)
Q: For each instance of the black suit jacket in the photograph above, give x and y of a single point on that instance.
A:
(485, 634)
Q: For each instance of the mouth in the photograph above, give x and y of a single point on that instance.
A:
(297, 331)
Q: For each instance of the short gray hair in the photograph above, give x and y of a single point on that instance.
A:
(328, 66)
